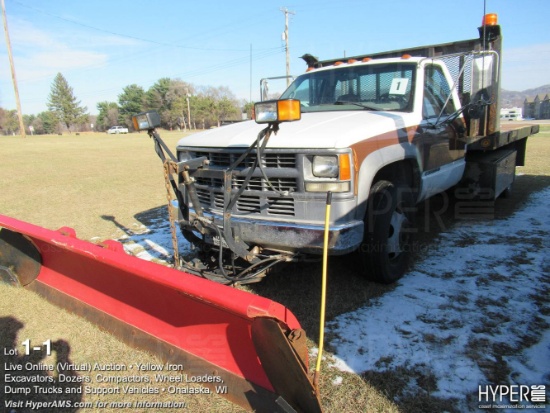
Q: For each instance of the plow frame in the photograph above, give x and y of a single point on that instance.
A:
(207, 327)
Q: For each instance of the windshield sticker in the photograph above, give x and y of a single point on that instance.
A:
(399, 86)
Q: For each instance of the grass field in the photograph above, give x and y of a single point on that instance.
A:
(101, 185)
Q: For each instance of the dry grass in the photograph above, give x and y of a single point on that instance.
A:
(78, 181)
(74, 180)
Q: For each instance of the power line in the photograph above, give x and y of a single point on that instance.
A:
(126, 35)
(185, 75)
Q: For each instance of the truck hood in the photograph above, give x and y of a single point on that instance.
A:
(338, 129)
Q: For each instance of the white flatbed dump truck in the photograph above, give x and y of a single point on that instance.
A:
(380, 132)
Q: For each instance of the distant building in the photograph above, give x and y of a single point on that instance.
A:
(511, 114)
(537, 107)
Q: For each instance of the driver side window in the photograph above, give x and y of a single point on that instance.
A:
(302, 93)
(436, 93)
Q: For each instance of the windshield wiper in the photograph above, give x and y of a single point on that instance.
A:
(361, 105)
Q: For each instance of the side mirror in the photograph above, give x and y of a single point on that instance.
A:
(477, 106)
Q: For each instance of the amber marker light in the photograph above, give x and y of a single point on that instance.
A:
(490, 19)
(485, 143)
(275, 111)
(289, 110)
(345, 167)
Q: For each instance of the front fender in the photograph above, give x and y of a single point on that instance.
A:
(373, 163)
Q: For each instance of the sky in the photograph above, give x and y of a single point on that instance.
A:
(102, 46)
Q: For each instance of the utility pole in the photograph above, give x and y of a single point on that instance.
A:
(285, 35)
(13, 77)
(250, 100)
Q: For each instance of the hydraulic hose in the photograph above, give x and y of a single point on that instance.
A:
(323, 294)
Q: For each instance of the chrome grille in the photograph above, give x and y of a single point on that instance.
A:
(259, 196)
(280, 160)
(254, 184)
(226, 159)
(249, 204)
(260, 184)
(280, 206)
(204, 196)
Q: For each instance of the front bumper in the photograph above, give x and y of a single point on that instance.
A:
(291, 236)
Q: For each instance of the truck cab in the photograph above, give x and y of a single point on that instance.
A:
(380, 132)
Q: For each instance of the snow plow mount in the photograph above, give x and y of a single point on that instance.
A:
(255, 345)
(220, 255)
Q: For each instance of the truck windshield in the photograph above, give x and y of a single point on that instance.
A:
(384, 87)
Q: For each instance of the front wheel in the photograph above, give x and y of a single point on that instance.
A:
(389, 228)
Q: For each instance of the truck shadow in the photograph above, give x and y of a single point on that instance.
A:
(36, 381)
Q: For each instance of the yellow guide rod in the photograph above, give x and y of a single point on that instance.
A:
(323, 293)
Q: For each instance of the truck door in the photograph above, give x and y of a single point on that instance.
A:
(439, 139)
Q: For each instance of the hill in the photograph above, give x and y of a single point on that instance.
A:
(510, 99)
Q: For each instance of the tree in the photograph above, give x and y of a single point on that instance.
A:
(108, 115)
(156, 95)
(49, 122)
(247, 107)
(130, 102)
(64, 105)
(169, 98)
(213, 105)
(9, 121)
(28, 121)
(2, 119)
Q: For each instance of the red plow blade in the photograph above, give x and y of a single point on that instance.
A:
(207, 327)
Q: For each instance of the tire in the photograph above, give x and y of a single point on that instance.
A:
(389, 228)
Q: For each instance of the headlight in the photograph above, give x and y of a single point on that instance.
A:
(329, 173)
(146, 120)
(275, 111)
(325, 166)
(266, 112)
(184, 156)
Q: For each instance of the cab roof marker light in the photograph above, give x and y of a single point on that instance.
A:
(406, 56)
(350, 61)
(366, 59)
(338, 63)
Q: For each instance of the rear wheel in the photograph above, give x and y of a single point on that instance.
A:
(389, 229)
